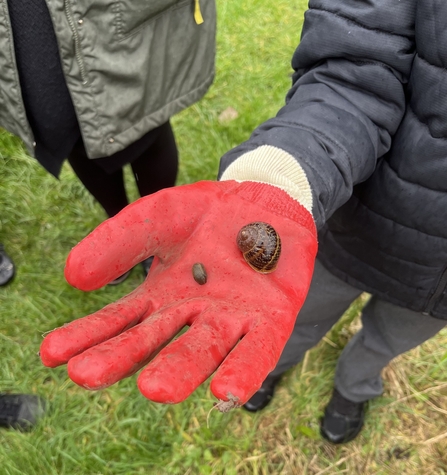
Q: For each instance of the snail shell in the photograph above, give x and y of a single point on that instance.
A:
(260, 245)
(199, 273)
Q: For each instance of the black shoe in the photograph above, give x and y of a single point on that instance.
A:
(146, 264)
(20, 411)
(263, 396)
(120, 279)
(342, 420)
(6, 267)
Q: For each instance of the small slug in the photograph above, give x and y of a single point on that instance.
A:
(199, 273)
(260, 245)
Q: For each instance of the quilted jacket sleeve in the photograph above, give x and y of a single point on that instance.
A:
(346, 102)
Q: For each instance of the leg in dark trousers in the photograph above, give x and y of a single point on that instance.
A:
(387, 332)
(107, 188)
(154, 161)
(327, 301)
(156, 168)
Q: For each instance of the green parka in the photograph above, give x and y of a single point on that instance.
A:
(129, 66)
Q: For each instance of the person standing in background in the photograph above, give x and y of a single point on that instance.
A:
(99, 85)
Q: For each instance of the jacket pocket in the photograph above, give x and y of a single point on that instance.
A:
(131, 15)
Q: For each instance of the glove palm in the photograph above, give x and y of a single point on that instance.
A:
(239, 321)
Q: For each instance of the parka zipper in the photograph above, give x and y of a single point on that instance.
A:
(77, 42)
(438, 291)
(197, 13)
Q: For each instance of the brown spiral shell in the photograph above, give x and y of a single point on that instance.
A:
(260, 245)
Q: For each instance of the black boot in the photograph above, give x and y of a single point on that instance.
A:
(146, 264)
(6, 267)
(263, 396)
(342, 420)
(20, 411)
(120, 279)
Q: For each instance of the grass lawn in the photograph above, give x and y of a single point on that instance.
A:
(116, 431)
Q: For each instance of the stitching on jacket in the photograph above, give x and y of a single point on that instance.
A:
(201, 85)
(91, 90)
(375, 269)
(368, 288)
(442, 68)
(316, 132)
(394, 258)
(381, 293)
(410, 108)
(414, 183)
(351, 20)
(374, 63)
(396, 221)
(321, 135)
(117, 11)
(424, 124)
(124, 35)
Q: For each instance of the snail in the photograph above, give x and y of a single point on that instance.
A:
(199, 273)
(260, 245)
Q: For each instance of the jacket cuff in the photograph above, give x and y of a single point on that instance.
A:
(273, 166)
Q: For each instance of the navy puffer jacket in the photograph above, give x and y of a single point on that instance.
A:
(366, 119)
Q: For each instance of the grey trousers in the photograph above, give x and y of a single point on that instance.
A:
(387, 331)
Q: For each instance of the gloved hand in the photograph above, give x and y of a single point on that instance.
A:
(239, 319)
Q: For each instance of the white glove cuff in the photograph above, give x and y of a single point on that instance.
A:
(272, 166)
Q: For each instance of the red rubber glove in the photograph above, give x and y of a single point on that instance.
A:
(239, 319)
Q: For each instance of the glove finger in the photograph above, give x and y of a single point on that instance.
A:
(63, 343)
(148, 226)
(120, 357)
(187, 362)
(247, 366)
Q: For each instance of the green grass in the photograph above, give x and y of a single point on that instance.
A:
(117, 431)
